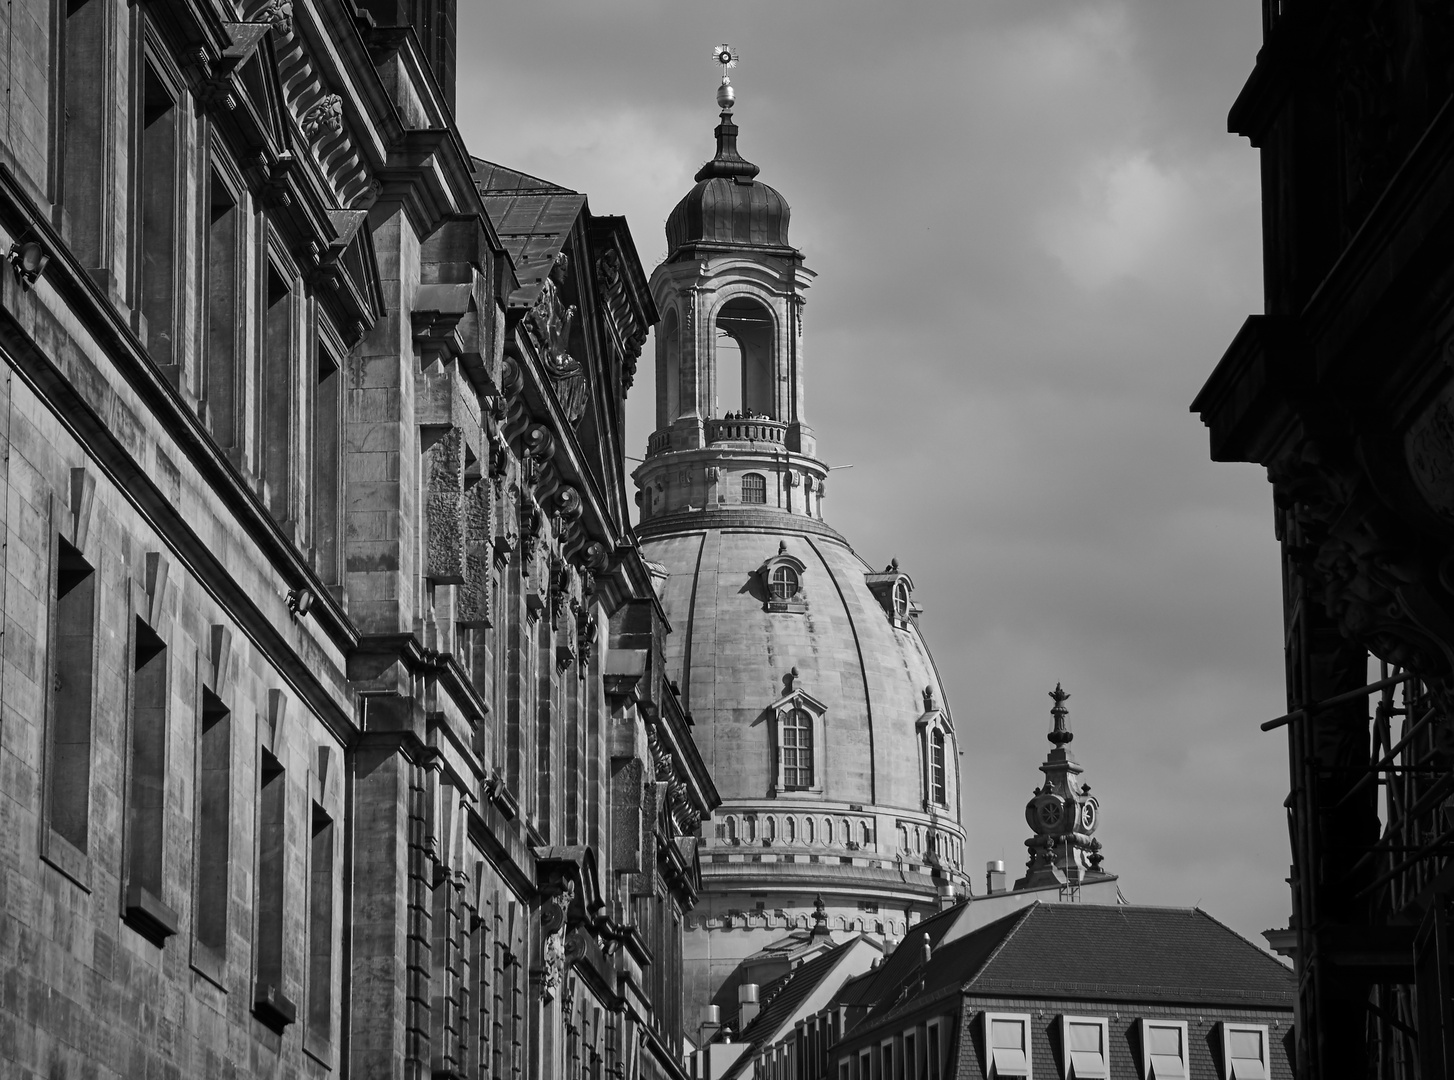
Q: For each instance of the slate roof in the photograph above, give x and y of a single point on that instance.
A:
(783, 995)
(532, 217)
(1104, 953)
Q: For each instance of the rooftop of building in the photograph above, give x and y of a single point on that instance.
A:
(1077, 951)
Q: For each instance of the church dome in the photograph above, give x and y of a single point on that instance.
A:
(847, 638)
(728, 207)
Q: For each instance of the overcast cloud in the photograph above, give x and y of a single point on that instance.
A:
(1034, 239)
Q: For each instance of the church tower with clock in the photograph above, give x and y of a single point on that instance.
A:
(817, 706)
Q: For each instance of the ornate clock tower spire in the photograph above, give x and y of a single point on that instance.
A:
(1062, 813)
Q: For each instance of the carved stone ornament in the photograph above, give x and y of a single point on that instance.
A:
(324, 118)
(278, 14)
(550, 322)
(554, 915)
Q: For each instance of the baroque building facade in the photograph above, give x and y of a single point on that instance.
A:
(816, 704)
(335, 730)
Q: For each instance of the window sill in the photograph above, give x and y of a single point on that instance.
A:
(148, 916)
(67, 858)
(272, 1008)
(209, 963)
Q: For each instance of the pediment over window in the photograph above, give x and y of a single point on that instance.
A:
(797, 740)
(781, 577)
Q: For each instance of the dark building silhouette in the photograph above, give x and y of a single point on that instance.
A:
(1342, 389)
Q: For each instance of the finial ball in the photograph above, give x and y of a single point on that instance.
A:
(726, 96)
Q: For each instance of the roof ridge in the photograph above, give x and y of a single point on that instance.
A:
(542, 185)
(1259, 950)
(1024, 916)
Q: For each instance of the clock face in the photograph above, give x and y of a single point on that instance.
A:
(1089, 813)
(1045, 813)
(1049, 813)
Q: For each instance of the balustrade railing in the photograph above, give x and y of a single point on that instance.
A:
(753, 429)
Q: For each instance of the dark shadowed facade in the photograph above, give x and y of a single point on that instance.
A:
(1343, 390)
(335, 737)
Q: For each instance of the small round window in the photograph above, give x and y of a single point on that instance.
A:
(784, 583)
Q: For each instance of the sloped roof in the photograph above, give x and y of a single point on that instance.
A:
(787, 993)
(532, 217)
(1105, 953)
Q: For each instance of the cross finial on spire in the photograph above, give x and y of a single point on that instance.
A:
(726, 56)
(1059, 734)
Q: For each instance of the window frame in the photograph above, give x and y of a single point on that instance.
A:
(1229, 1070)
(1069, 1069)
(759, 478)
(1145, 1025)
(991, 1060)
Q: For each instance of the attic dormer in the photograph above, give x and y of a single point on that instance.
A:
(893, 589)
(782, 581)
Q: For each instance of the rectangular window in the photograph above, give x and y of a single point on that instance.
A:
(754, 488)
(146, 804)
(865, 1065)
(937, 768)
(83, 158)
(934, 1053)
(1087, 1047)
(68, 747)
(797, 750)
(269, 1003)
(1007, 1045)
(214, 833)
(1163, 1049)
(219, 389)
(276, 406)
(886, 1061)
(157, 198)
(320, 931)
(327, 448)
(1245, 1051)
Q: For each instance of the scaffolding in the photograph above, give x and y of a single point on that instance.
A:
(1369, 821)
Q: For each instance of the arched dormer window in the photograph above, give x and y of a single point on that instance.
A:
(781, 578)
(754, 488)
(893, 589)
(936, 736)
(797, 737)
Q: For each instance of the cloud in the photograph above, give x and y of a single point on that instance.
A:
(1034, 238)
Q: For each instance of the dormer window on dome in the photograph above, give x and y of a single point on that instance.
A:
(782, 580)
(796, 731)
(893, 590)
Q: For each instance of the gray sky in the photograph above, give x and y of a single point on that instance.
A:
(1034, 239)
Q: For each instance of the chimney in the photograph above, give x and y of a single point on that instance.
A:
(711, 1023)
(747, 1007)
(994, 876)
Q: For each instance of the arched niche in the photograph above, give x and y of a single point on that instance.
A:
(745, 337)
(669, 377)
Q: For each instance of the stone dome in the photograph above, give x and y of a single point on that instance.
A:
(728, 207)
(848, 640)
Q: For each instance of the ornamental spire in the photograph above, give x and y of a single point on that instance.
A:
(1059, 733)
(728, 162)
(1062, 814)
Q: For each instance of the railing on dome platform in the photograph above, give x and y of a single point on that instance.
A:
(747, 429)
(658, 443)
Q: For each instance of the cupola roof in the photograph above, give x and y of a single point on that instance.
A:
(728, 209)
